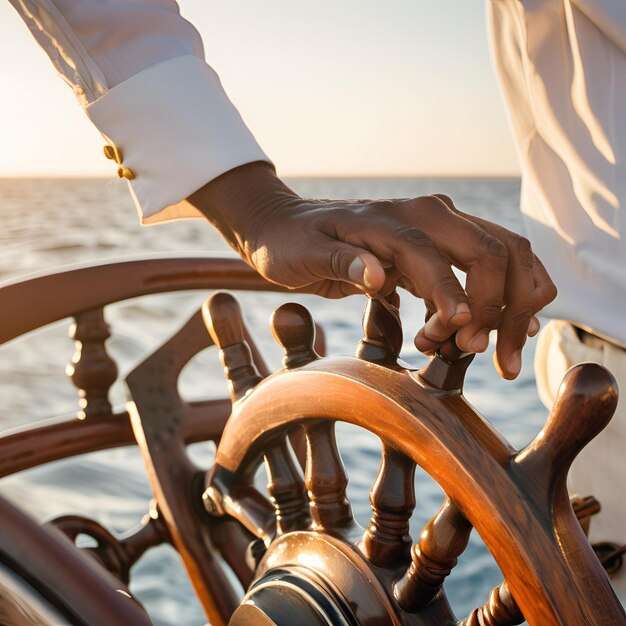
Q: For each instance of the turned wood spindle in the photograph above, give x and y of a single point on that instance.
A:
(442, 541)
(303, 342)
(326, 479)
(294, 329)
(286, 489)
(224, 321)
(92, 370)
(386, 540)
(584, 509)
(118, 555)
(584, 406)
(446, 370)
(382, 331)
(152, 532)
(500, 610)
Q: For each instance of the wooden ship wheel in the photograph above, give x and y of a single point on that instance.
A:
(294, 554)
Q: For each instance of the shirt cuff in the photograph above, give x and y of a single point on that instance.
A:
(172, 129)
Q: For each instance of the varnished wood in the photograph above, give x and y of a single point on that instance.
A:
(29, 304)
(294, 329)
(116, 554)
(382, 331)
(83, 591)
(326, 479)
(516, 501)
(584, 406)
(446, 370)
(441, 542)
(584, 509)
(224, 321)
(157, 412)
(54, 439)
(92, 370)
(473, 464)
(286, 489)
(386, 540)
(500, 610)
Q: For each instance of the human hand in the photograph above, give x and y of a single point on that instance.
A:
(338, 248)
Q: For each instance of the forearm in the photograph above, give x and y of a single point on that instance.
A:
(238, 203)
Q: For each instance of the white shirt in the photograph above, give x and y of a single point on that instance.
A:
(138, 69)
(562, 66)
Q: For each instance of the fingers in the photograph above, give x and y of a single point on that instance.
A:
(334, 260)
(377, 245)
(484, 259)
(432, 334)
(423, 271)
(533, 327)
(485, 286)
(519, 295)
(545, 289)
(528, 288)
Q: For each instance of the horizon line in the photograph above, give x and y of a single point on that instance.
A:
(298, 175)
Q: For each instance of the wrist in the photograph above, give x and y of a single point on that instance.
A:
(241, 201)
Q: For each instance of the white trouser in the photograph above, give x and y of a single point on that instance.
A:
(599, 470)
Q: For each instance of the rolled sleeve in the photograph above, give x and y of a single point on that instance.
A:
(175, 130)
(138, 69)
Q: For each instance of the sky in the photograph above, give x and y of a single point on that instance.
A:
(355, 87)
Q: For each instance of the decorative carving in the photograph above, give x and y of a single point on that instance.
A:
(584, 509)
(92, 370)
(584, 406)
(286, 489)
(500, 610)
(326, 479)
(610, 555)
(386, 540)
(382, 331)
(117, 555)
(294, 329)
(224, 321)
(534, 535)
(446, 371)
(443, 539)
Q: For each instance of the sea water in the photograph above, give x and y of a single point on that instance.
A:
(48, 223)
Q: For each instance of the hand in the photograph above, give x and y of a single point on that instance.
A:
(338, 248)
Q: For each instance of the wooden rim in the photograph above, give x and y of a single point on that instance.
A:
(437, 431)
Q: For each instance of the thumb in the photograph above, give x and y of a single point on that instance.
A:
(335, 260)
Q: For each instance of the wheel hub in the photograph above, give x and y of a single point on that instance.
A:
(306, 577)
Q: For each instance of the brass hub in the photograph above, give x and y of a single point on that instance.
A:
(313, 578)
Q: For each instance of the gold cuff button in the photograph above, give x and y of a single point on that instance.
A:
(125, 172)
(112, 153)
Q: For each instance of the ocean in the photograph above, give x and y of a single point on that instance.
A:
(46, 224)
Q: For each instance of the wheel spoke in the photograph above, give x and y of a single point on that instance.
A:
(286, 489)
(382, 331)
(92, 369)
(500, 610)
(326, 479)
(442, 541)
(386, 540)
(294, 330)
(224, 321)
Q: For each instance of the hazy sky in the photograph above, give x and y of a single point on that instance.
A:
(328, 87)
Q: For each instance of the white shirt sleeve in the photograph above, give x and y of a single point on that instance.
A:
(609, 16)
(138, 69)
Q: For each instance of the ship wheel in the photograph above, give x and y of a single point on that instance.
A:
(299, 554)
